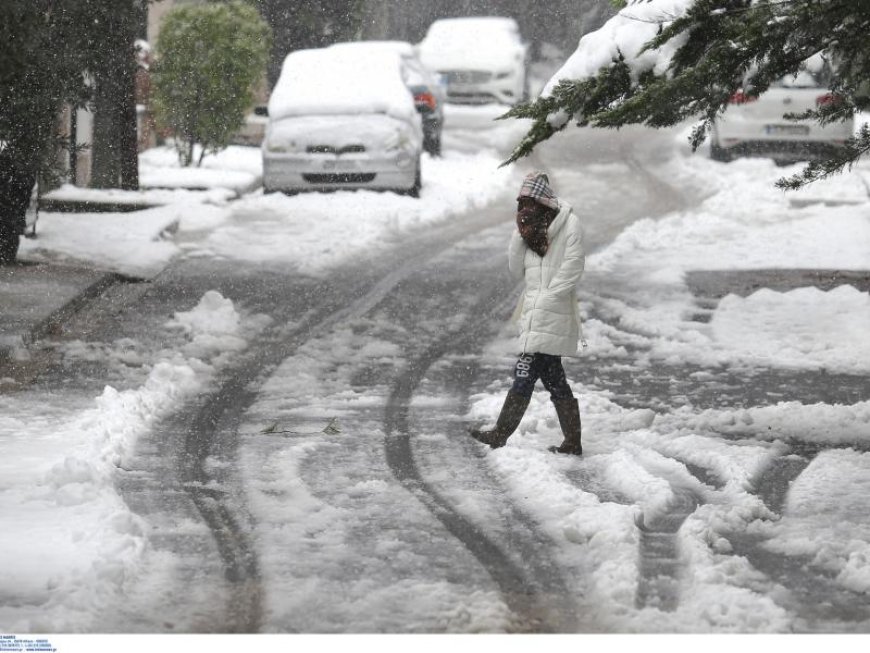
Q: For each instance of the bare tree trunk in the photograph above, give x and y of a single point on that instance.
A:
(16, 184)
(115, 142)
(128, 155)
(106, 142)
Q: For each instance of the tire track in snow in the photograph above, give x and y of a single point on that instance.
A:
(209, 427)
(659, 560)
(534, 591)
(813, 595)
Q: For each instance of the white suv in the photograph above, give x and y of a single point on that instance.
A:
(481, 59)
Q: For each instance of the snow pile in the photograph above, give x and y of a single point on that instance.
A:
(742, 225)
(825, 518)
(789, 421)
(140, 243)
(215, 327)
(150, 197)
(75, 543)
(804, 328)
(236, 158)
(132, 243)
(236, 169)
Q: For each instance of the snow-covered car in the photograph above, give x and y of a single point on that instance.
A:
(340, 118)
(428, 91)
(481, 59)
(753, 126)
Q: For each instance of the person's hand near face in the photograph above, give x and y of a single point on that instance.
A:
(532, 222)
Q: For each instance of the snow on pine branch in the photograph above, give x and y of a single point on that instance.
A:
(625, 34)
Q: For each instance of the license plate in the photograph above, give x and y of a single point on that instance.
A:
(787, 130)
(340, 166)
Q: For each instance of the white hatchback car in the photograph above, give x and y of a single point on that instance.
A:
(342, 119)
(757, 126)
(481, 59)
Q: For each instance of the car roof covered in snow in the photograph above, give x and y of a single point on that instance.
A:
(403, 48)
(444, 27)
(489, 42)
(415, 72)
(339, 81)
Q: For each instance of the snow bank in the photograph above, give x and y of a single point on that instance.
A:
(825, 518)
(140, 243)
(743, 224)
(790, 421)
(70, 544)
(134, 243)
(804, 328)
(73, 540)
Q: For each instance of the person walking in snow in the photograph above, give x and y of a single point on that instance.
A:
(547, 251)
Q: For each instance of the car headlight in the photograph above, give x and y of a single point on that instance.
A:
(281, 146)
(398, 141)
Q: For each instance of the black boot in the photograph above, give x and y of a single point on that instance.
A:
(569, 419)
(508, 420)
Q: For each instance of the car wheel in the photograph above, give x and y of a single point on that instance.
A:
(8, 247)
(414, 191)
(719, 153)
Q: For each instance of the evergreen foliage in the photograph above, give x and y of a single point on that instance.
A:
(44, 53)
(724, 45)
(310, 24)
(209, 59)
(46, 49)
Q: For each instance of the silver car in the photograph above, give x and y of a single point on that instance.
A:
(341, 118)
(758, 127)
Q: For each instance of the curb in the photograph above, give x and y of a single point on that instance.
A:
(51, 205)
(11, 345)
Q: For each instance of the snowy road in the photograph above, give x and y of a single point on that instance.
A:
(303, 463)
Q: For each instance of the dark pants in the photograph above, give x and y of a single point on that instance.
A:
(531, 367)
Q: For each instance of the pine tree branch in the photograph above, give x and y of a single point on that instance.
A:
(723, 46)
(842, 158)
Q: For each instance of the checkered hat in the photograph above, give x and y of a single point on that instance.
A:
(537, 186)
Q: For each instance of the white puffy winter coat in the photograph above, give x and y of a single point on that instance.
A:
(549, 322)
